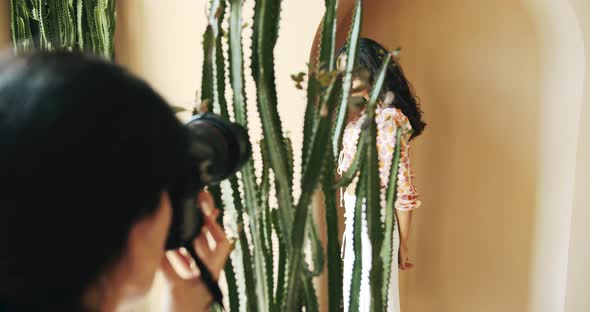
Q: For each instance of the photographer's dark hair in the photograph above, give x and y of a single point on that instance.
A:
(370, 56)
(85, 151)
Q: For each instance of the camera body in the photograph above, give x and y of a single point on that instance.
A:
(217, 149)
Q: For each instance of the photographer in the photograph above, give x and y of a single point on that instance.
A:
(89, 158)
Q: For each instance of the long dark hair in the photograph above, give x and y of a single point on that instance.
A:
(370, 56)
(86, 150)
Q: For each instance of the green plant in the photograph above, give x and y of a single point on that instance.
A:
(87, 25)
(255, 284)
(267, 270)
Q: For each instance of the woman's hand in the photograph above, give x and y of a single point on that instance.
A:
(191, 293)
(403, 260)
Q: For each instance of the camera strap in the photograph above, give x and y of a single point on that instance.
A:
(207, 277)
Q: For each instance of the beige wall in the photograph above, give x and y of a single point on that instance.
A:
(502, 87)
(475, 67)
(161, 43)
(507, 253)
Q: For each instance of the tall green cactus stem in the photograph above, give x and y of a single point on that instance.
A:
(334, 266)
(309, 182)
(323, 65)
(294, 288)
(310, 297)
(355, 283)
(387, 248)
(105, 19)
(351, 49)
(64, 24)
(260, 251)
(209, 90)
(266, 18)
(328, 39)
(22, 36)
(247, 273)
(236, 67)
(80, 22)
(236, 62)
(213, 93)
(265, 232)
(373, 207)
(311, 112)
(265, 32)
(326, 63)
(234, 269)
(266, 229)
(317, 251)
(40, 13)
(100, 21)
(232, 284)
(333, 245)
(61, 22)
(282, 267)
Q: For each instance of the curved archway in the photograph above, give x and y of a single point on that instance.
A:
(563, 68)
(579, 250)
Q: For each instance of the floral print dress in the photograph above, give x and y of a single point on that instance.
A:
(388, 120)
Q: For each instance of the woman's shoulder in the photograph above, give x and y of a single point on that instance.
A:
(394, 115)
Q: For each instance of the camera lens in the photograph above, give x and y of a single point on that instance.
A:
(217, 150)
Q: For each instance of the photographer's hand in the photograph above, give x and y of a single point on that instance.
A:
(191, 294)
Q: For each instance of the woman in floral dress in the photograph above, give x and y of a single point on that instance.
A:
(403, 113)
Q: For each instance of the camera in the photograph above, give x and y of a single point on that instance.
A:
(217, 149)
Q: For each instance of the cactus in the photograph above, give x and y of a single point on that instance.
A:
(82, 25)
(237, 79)
(387, 247)
(254, 282)
(289, 285)
(373, 185)
(326, 63)
(355, 284)
(22, 35)
(213, 92)
(351, 49)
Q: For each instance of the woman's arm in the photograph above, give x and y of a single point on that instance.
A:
(406, 202)
(404, 220)
(407, 196)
